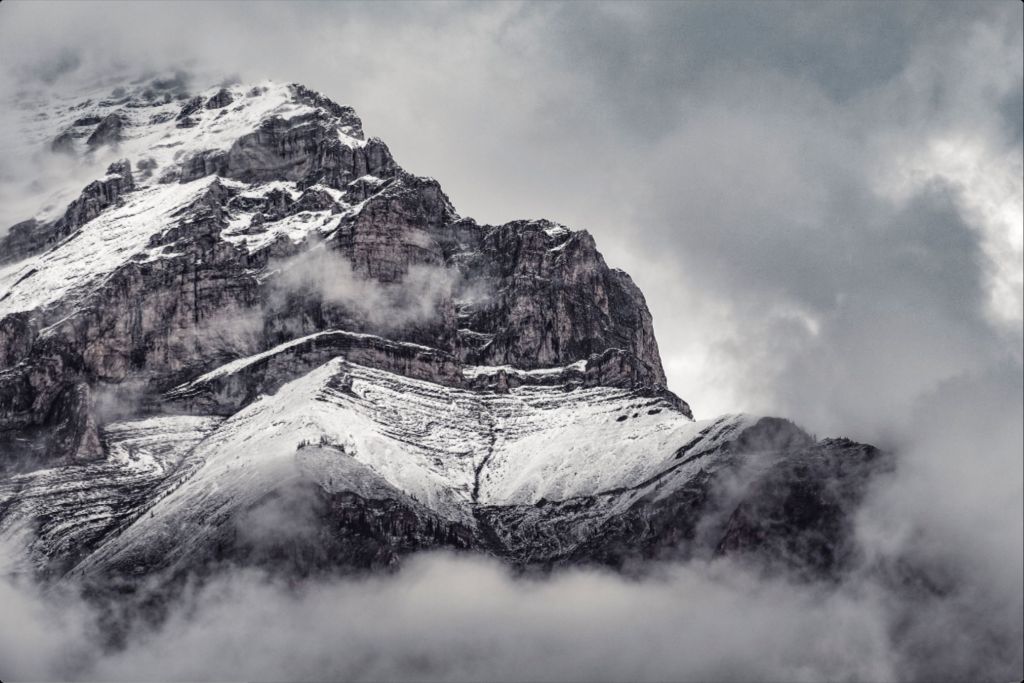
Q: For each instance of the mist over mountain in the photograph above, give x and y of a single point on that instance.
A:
(270, 398)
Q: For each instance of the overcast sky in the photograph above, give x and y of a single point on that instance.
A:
(822, 203)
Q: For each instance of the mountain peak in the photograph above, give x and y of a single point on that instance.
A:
(256, 302)
(271, 195)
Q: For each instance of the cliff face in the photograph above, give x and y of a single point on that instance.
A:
(209, 248)
(256, 306)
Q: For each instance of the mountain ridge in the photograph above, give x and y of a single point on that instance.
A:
(269, 344)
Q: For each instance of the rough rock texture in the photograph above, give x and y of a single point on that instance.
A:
(29, 237)
(222, 99)
(304, 149)
(554, 300)
(229, 388)
(273, 346)
(108, 132)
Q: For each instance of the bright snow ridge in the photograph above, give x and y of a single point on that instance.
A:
(98, 248)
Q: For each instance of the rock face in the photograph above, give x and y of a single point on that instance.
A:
(108, 132)
(222, 99)
(276, 347)
(29, 237)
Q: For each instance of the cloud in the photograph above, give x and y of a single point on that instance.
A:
(422, 296)
(686, 623)
(953, 511)
(701, 147)
(695, 622)
(41, 637)
(424, 625)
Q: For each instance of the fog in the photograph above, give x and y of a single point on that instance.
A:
(329, 277)
(823, 207)
(424, 625)
(446, 617)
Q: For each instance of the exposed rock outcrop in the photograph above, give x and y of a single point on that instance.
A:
(110, 131)
(98, 196)
(222, 99)
(229, 388)
(29, 237)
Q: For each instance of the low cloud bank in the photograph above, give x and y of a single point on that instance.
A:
(699, 622)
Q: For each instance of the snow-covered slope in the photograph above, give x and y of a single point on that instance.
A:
(444, 448)
(148, 129)
(58, 514)
(85, 258)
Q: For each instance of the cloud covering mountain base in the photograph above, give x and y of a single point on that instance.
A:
(695, 622)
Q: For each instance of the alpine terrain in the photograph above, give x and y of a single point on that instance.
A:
(256, 340)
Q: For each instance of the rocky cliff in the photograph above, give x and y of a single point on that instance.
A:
(258, 340)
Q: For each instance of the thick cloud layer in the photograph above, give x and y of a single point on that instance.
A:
(696, 622)
(823, 206)
(705, 622)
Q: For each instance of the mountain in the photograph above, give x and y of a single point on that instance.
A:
(257, 341)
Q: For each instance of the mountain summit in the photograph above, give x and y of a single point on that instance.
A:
(256, 340)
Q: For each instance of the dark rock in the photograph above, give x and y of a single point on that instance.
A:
(90, 120)
(800, 513)
(554, 299)
(63, 143)
(610, 368)
(29, 237)
(362, 188)
(146, 167)
(109, 132)
(190, 107)
(74, 433)
(222, 99)
(313, 200)
(226, 394)
(202, 164)
(348, 121)
(795, 514)
(97, 196)
(532, 295)
(305, 149)
(23, 239)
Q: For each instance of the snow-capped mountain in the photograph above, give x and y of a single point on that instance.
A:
(256, 339)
